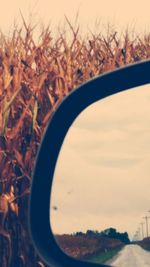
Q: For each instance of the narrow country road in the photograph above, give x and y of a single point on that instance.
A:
(131, 256)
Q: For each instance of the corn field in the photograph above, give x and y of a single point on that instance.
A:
(34, 78)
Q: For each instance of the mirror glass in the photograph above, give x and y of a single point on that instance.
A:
(100, 201)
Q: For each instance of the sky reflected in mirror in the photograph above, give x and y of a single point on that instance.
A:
(102, 177)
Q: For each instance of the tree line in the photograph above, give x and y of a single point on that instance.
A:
(109, 233)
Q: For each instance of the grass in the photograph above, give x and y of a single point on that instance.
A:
(104, 256)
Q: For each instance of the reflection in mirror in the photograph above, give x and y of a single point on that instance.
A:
(100, 198)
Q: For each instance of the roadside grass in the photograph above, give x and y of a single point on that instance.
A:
(104, 256)
(147, 248)
(145, 244)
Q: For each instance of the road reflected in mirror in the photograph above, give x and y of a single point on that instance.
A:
(100, 201)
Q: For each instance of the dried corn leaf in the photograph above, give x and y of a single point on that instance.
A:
(5, 118)
(51, 99)
(7, 78)
(35, 112)
(8, 104)
(12, 133)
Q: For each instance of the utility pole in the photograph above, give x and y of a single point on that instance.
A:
(146, 219)
(135, 237)
(142, 230)
(139, 233)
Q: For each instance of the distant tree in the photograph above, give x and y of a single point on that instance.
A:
(92, 233)
(112, 233)
(109, 232)
(79, 234)
(125, 237)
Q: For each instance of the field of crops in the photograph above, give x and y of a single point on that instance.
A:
(87, 248)
(34, 78)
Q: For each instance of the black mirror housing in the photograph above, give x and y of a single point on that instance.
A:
(98, 88)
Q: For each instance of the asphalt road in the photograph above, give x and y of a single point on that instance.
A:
(131, 256)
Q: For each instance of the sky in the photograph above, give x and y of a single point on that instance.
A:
(102, 176)
(134, 14)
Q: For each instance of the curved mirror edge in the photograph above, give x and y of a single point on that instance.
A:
(107, 141)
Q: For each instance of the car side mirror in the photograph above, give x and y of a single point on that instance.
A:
(108, 84)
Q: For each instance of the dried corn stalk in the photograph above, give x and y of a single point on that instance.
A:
(34, 78)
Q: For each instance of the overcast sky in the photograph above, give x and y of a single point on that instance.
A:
(120, 13)
(102, 178)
